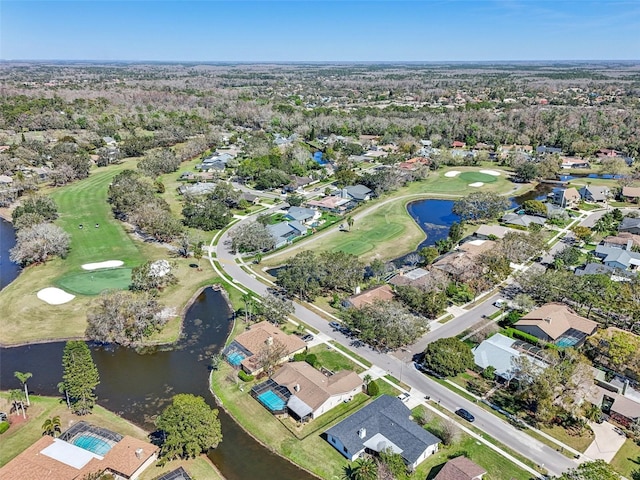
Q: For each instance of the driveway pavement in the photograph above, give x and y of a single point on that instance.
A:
(606, 444)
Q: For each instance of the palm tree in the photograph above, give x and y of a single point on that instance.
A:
(17, 400)
(51, 426)
(22, 378)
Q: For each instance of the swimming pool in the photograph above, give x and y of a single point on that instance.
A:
(272, 401)
(93, 444)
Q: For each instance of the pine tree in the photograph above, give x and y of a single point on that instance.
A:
(80, 377)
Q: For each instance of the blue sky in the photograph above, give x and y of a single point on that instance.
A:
(434, 30)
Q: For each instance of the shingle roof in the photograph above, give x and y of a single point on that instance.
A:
(388, 416)
(460, 468)
(554, 319)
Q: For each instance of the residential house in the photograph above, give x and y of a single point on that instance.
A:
(594, 193)
(500, 352)
(359, 193)
(573, 162)
(331, 203)
(414, 278)
(246, 347)
(62, 459)
(285, 232)
(312, 393)
(383, 424)
(630, 225)
(544, 150)
(305, 216)
(460, 468)
(565, 197)
(621, 257)
(631, 194)
(380, 293)
(492, 232)
(522, 220)
(557, 323)
(461, 262)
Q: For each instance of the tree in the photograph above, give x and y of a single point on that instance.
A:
(448, 356)
(190, 427)
(428, 254)
(124, 318)
(596, 470)
(480, 206)
(251, 237)
(80, 376)
(39, 243)
(22, 378)
(52, 426)
(276, 309)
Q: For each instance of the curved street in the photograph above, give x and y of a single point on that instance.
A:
(399, 364)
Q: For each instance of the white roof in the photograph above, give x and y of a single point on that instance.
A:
(69, 454)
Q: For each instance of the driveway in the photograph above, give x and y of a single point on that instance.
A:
(607, 442)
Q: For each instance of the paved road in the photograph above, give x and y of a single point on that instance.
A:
(403, 368)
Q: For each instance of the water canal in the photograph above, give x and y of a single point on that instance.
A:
(137, 386)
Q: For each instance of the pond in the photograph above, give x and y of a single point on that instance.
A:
(137, 386)
(8, 270)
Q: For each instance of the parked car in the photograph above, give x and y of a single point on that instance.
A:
(461, 412)
(308, 337)
(335, 325)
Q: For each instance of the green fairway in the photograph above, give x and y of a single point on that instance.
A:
(101, 237)
(95, 281)
(472, 177)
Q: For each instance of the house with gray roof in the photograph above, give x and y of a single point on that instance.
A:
(381, 425)
(594, 193)
(303, 215)
(522, 220)
(630, 224)
(359, 193)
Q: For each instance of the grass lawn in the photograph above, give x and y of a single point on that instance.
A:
(312, 453)
(332, 360)
(627, 459)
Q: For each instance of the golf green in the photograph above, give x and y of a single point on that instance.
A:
(94, 282)
(473, 177)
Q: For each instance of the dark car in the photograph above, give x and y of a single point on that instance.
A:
(335, 325)
(461, 412)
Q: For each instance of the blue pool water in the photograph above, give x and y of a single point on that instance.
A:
(235, 358)
(93, 444)
(272, 401)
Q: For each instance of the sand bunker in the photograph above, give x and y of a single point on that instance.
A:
(452, 173)
(491, 172)
(107, 264)
(54, 296)
(476, 184)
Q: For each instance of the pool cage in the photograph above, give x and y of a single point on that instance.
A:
(235, 354)
(83, 428)
(272, 396)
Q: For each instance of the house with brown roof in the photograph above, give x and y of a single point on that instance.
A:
(460, 468)
(57, 459)
(311, 392)
(557, 323)
(380, 293)
(246, 348)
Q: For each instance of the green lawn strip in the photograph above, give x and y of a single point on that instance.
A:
(350, 353)
(394, 380)
(312, 453)
(627, 460)
(18, 438)
(326, 420)
(333, 360)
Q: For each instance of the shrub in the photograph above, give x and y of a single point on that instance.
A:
(4, 426)
(244, 376)
(373, 389)
(312, 360)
